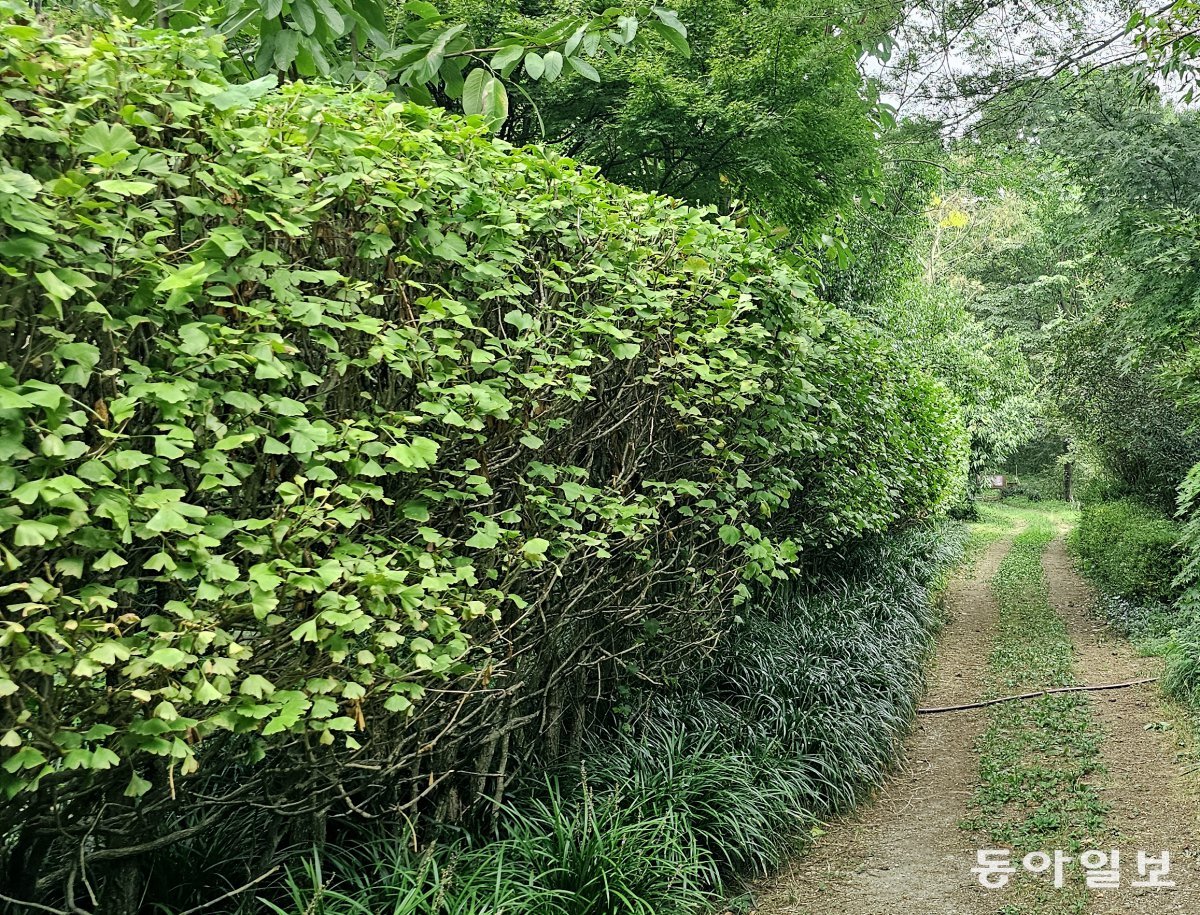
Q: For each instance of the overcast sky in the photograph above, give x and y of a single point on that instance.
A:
(932, 63)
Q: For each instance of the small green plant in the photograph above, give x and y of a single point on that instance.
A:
(387, 877)
(1130, 550)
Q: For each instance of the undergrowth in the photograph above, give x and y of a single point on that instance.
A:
(1038, 758)
(1130, 550)
(1132, 555)
(797, 716)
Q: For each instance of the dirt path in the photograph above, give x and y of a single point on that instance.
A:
(1152, 804)
(905, 854)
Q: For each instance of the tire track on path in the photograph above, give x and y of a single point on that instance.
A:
(904, 854)
(1153, 805)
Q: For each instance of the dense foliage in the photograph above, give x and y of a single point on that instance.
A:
(409, 47)
(353, 458)
(907, 276)
(728, 773)
(1131, 550)
(768, 108)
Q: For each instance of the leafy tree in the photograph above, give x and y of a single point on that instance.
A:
(906, 240)
(1125, 279)
(768, 109)
(411, 48)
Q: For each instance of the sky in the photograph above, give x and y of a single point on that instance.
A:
(948, 56)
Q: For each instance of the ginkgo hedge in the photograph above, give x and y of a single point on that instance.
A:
(349, 456)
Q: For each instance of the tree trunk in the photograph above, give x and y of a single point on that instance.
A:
(122, 891)
(1069, 481)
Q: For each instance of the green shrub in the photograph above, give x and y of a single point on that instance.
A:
(795, 718)
(800, 711)
(1130, 550)
(346, 451)
(965, 509)
(1189, 513)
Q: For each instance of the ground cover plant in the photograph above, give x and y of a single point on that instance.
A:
(1130, 550)
(354, 459)
(1037, 757)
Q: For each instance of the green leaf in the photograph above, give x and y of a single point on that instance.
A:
(535, 548)
(11, 400)
(519, 319)
(416, 511)
(573, 42)
(125, 188)
(627, 27)
(86, 355)
(483, 541)
(53, 285)
(241, 95)
(166, 519)
(504, 60)
(553, 65)
(287, 43)
(304, 15)
(228, 239)
(107, 138)
(534, 65)
(205, 692)
(104, 758)
(71, 566)
(257, 686)
(169, 658)
(195, 339)
(186, 277)
(137, 786)
(107, 562)
(333, 19)
(34, 533)
(670, 19)
(485, 95)
(305, 632)
(424, 449)
(676, 38)
(584, 69)
(25, 758)
(452, 247)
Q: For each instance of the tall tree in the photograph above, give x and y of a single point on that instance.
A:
(769, 108)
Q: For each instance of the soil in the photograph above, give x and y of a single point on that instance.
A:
(905, 853)
(1152, 802)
